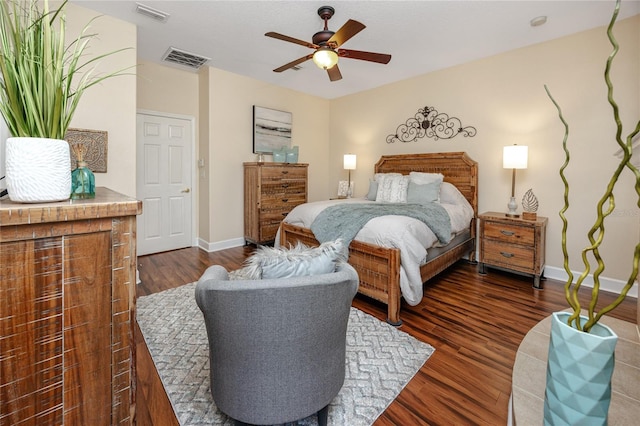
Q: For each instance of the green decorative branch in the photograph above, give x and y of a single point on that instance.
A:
(605, 207)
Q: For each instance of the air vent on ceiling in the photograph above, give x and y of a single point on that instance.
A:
(152, 13)
(184, 58)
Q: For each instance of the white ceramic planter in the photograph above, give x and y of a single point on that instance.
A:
(38, 170)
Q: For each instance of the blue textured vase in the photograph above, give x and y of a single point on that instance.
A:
(579, 370)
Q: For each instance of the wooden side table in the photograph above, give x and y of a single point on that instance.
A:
(514, 244)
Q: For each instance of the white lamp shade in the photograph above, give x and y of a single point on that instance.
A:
(349, 161)
(515, 157)
(325, 58)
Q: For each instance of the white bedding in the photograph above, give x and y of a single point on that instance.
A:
(409, 235)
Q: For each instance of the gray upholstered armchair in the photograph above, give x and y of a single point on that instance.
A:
(276, 346)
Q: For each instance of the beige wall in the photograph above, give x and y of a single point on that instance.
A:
(504, 99)
(110, 105)
(231, 143)
(166, 89)
(203, 153)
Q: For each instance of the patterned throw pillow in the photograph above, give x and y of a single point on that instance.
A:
(392, 189)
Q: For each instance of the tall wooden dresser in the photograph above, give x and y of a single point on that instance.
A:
(67, 311)
(271, 191)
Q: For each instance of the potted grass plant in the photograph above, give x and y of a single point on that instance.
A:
(42, 80)
(581, 349)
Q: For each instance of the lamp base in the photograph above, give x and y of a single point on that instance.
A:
(513, 208)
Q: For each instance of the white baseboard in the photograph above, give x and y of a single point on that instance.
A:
(606, 284)
(220, 245)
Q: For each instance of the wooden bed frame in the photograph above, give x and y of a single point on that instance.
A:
(379, 267)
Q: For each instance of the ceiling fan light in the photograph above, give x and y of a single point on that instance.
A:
(325, 57)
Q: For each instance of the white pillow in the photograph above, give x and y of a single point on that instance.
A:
(425, 178)
(449, 194)
(392, 188)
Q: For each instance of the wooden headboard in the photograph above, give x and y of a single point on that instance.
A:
(457, 168)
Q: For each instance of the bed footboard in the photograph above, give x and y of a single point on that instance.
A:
(378, 268)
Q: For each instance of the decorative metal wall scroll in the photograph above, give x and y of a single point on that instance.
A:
(96, 144)
(432, 124)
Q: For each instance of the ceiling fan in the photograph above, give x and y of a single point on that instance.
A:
(326, 45)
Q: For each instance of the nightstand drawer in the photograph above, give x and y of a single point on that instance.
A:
(509, 255)
(507, 233)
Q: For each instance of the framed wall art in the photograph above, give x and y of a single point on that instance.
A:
(271, 130)
(95, 142)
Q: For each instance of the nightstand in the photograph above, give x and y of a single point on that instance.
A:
(513, 244)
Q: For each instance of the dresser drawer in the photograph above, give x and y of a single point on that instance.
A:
(268, 231)
(286, 173)
(284, 202)
(512, 234)
(283, 187)
(510, 255)
(274, 214)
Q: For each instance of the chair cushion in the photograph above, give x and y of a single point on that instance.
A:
(300, 260)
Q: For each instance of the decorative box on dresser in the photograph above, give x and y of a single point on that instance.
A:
(271, 191)
(67, 311)
(511, 243)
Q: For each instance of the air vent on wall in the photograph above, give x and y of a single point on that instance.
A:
(152, 13)
(184, 58)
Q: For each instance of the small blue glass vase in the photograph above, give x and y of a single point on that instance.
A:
(83, 183)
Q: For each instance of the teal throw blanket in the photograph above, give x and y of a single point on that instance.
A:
(345, 220)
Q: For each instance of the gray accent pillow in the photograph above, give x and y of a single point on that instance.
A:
(420, 194)
(373, 190)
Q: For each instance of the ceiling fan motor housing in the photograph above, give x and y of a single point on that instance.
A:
(321, 37)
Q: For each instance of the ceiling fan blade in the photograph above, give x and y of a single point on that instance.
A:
(334, 73)
(348, 30)
(292, 40)
(294, 63)
(381, 58)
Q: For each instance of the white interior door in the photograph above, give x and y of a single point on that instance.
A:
(164, 182)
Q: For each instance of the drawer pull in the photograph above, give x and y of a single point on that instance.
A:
(507, 233)
(284, 172)
(284, 214)
(284, 200)
(505, 254)
(285, 185)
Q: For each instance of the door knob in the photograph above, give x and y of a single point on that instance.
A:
(187, 190)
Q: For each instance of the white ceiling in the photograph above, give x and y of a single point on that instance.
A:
(421, 36)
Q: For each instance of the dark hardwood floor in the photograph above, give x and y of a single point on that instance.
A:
(474, 322)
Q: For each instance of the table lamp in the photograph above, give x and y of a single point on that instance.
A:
(514, 157)
(350, 164)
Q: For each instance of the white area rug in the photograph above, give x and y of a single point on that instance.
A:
(380, 361)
